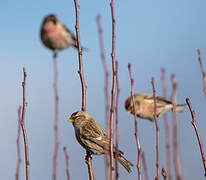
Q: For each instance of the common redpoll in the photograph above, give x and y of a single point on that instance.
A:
(92, 137)
(55, 35)
(145, 106)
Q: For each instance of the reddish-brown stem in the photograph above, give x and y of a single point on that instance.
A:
(167, 128)
(113, 95)
(106, 71)
(202, 71)
(157, 130)
(80, 58)
(67, 162)
(18, 144)
(164, 174)
(145, 166)
(56, 119)
(175, 130)
(135, 124)
(117, 124)
(197, 133)
(26, 147)
(81, 75)
(88, 159)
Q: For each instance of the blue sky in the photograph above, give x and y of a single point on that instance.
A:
(149, 34)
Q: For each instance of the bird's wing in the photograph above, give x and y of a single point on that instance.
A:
(160, 100)
(71, 39)
(92, 130)
(164, 100)
(94, 133)
(72, 35)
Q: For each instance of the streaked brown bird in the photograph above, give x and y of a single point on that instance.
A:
(55, 35)
(92, 137)
(145, 106)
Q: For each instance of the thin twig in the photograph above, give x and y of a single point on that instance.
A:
(197, 133)
(88, 159)
(80, 58)
(81, 75)
(157, 130)
(56, 114)
(117, 125)
(113, 95)
(167, 128)
(164, 174)
(106, 71)
(175, 129)
(26, 147)
(145, 166)
(202, 71)
(135, 124)
(67, 162)
(18, 145)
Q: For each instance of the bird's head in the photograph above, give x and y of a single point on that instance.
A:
(128, 105)
(78, 117)
(50, 18)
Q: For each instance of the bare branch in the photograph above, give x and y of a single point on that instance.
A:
(80, 58)
(113, 95)
(117, 125)
(18, 145)
(175, 129)
(197, 133)
(88, 155)
(157, 130)
(135, 124)
(106, 71)
(88, 160)
(167, 128)
(56, 115)
(145, 166)
(67, 162)
(26, 147)
(202, 71)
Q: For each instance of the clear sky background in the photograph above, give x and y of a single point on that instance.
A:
(149, 34)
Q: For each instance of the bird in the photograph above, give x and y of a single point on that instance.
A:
(92, 137)
(55, 35)
(144, 105)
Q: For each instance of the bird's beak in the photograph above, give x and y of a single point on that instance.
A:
(129, 111)
(71, 120)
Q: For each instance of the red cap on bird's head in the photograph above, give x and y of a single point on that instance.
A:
(127, 104)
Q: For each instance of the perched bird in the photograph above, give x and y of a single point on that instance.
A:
(92, 137)
(144, 105)
(55, 35)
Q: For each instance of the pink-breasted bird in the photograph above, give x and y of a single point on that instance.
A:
(55, 35)
(145, 106)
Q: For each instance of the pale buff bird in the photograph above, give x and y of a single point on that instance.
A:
(92, 137)
(55, 35)
(145, 106)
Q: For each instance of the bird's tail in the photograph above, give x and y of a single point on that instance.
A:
(180, 107)
(124, 162)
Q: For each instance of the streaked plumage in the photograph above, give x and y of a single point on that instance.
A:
(145, 106)
(55, 35)
(92, 137)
